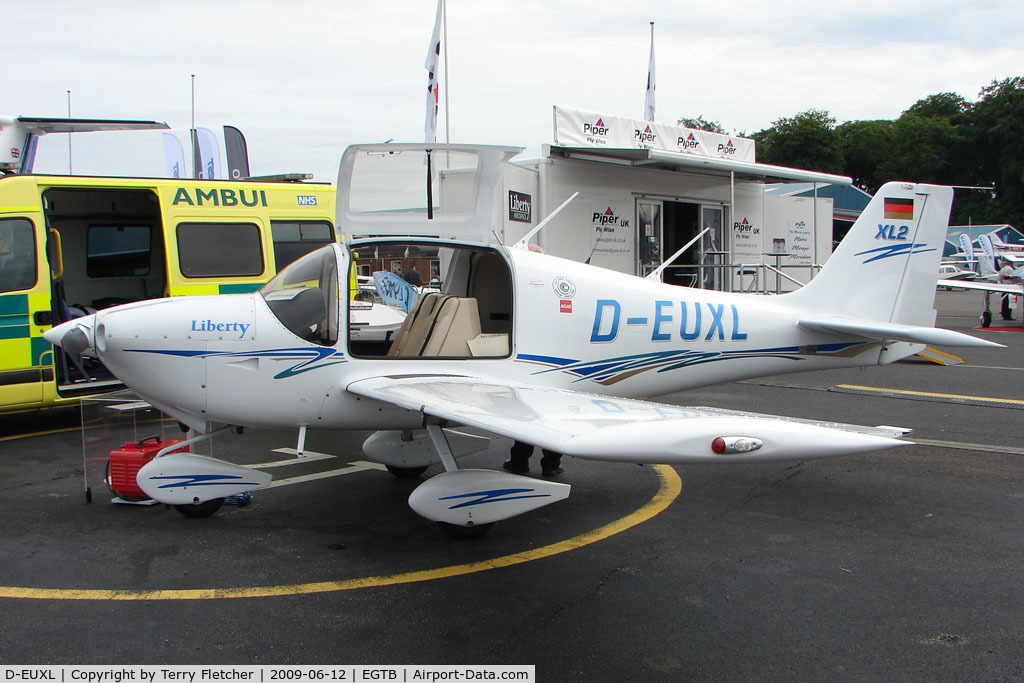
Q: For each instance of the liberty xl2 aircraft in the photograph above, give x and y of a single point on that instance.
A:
(519, 344)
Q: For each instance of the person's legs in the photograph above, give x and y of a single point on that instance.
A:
(519, 460)
(551, 463)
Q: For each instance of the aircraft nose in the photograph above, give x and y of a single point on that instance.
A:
(74, 336)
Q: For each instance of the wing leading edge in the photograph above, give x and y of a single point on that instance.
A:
(624, 430)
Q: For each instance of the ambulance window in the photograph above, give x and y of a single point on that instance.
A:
(219, 249)
(17, 255)
(293, 239)
(117, 250)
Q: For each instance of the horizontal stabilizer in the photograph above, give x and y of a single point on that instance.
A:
(875, 329)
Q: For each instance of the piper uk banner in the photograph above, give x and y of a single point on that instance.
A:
(579, 128)
(610, 231)
(747, 245)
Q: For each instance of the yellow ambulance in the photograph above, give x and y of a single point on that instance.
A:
(70, 245)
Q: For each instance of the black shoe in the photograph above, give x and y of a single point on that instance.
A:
(515, 467)
(552, 472)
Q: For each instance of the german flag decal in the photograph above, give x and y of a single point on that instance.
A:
(899, 209)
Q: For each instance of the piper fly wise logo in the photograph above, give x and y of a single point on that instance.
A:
(597, 132)
(645, 136)
(607, 219)
(728, 149)
(688, 143)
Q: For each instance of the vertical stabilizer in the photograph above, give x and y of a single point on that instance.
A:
(886, 267)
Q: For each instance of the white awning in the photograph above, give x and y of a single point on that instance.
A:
(652, 158)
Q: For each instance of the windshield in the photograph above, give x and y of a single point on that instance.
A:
(304, 296)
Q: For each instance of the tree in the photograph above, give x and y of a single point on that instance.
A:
(998, 134)
(923, 149)
(947, 105)
(700, 123)
(808, 140)
(865, 145)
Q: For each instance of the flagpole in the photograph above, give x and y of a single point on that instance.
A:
(649, 95)
(70, 172)
(192, 130)
(447, 84)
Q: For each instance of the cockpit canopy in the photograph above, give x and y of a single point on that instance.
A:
(304, 296)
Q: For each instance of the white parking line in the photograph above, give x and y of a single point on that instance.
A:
(984, 448)
(307, 456)
(358, 466)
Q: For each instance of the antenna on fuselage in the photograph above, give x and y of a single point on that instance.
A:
(523, 243)
(656, 273)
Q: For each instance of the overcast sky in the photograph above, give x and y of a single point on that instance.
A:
(305, 78)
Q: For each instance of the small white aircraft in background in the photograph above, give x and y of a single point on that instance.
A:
(520, 344)
(987, 279)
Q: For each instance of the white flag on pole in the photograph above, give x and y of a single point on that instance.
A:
(649, 98)
(431, 65)
(174, 156)
(209, 155)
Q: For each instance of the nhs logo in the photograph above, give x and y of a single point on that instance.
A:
(306, 199)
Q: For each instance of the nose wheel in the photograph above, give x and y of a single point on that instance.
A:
(198, 510)
(466, 533)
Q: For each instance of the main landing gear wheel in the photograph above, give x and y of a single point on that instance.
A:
(986, 318)
(196, 510)
(406, 472)
(464, 533)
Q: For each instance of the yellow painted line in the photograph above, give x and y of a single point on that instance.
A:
(14, 437)
(907, 392)
(669, 490)
(939, 357)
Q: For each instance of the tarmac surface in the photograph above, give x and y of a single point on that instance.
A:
(904, 565)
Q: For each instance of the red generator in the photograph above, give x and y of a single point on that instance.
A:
(125, 463)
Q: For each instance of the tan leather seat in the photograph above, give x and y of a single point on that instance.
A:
(457, 321)
(413, 332)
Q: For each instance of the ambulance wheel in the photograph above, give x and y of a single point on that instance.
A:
(406, 472)
(986, 318)
(197, 510)
(465, 533)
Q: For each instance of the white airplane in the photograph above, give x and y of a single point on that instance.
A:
(525, 345)
(993, 253)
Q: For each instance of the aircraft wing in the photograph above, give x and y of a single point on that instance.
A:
(874, 329)
(41, 126)
(982, 285)
(624, 430)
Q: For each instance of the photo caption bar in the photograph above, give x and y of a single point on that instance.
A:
(406, 673)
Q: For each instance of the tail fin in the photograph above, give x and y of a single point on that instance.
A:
(886, 267)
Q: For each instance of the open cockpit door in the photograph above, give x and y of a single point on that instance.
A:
(441, 190)
(424, 298)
